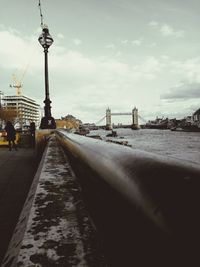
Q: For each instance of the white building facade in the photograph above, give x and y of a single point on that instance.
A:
(196, 117)
(28, 110)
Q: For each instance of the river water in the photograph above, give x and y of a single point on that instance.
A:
(180, 145)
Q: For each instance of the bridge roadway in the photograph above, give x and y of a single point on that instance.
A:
(17, 169)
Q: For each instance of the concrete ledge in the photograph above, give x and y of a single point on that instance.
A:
(15, 243)
(58, 229)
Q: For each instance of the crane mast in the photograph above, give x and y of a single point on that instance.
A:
(16, 84)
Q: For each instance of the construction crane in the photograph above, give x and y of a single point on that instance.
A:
(16, 84)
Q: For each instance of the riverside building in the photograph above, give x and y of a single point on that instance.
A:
(27, 109)
(196, 117)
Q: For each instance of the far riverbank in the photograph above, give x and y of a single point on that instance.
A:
(180, 145)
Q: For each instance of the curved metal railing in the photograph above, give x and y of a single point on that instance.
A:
(145, 206)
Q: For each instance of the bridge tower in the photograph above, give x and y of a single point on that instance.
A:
(108, 119)
(135, 124)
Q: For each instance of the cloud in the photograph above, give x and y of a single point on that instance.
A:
(154, 44)
(110, 46)
(124, 42)
(136, 42)
(165, 57)
(166, 30)
(118, 54)
(77, 41)
(61, 36)
(68, 61)
(85, 82)
(153, 23)
(151, 66)
(189, 69)
(24, 48)
(79, 81)
(184, 91)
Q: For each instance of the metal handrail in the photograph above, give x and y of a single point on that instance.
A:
(162, 194)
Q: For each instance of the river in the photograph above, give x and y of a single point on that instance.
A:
(180, 145)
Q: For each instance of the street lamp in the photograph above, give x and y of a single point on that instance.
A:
(45, 39)
(1, 93)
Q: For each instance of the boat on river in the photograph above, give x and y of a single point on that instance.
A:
(158, 123)
(186, 128)
(191, 128)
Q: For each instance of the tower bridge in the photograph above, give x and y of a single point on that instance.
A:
(134, 115)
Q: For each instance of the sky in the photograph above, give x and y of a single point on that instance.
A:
(119, 54)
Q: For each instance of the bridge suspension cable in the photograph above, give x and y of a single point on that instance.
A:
(142, 119)
(100, 120)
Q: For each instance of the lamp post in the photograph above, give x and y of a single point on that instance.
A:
(1, 93)
(45, 39)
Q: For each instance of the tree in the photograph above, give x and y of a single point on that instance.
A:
(67, 124)
(9, 114)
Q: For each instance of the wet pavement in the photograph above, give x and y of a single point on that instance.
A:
(17, 169)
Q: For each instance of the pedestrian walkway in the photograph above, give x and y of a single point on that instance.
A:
(54, 228)
(17, 169)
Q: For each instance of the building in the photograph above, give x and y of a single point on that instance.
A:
(196, 117)
(27, 109)
(68, 122)
(108, 119)
(135, 118)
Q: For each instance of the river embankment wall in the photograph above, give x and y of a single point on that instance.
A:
(54, 228)
(144, 207)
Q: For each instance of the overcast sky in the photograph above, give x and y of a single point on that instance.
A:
(116, 53)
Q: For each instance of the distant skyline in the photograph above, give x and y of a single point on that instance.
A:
(115, 53)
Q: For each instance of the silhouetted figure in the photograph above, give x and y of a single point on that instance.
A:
(32, 133)
(11, 135)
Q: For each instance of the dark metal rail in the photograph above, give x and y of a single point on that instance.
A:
(146, 207)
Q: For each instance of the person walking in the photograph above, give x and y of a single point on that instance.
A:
(11, 135)
(32, 134)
